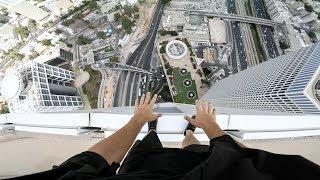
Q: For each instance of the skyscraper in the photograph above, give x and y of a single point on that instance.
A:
(288, 83)
(37, 87)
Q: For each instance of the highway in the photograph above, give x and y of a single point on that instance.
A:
(238, 55)
(129, 82)
(232, 17)
(249, 41)
(266, 34)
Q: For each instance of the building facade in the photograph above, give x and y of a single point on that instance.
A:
(37, 87)
(288, 83)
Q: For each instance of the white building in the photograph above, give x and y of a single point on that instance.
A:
(8, 38)
(278, 10)
(27, 9)
(218, 31)
(289, 83)
(36, 87)
(197, 34)
(171, 20)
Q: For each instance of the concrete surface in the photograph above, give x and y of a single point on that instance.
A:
(25, 153)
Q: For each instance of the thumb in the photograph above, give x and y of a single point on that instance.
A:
(157, 115)
(191, 120)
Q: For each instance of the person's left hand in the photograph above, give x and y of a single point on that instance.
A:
(143, 109)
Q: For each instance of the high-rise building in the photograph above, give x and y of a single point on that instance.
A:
(288, 83)
(36, 87)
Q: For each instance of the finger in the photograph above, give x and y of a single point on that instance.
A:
(188, 118)
(142, 99)
(205, 106)
(198, 105)
(136, 103)
(148, 97)
(154, 99)
(211, 109)
(157, 115)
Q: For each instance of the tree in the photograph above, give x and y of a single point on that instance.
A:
(163, 49)
(69, 45)
(141, 1)
(4, 109)
(167, 65)
(22, 31)
(46, 42)
(194, 66)
(101, 35)
(169, 71)
(117, 17)
(93, 5)
(308, 8)
(166, 1)
(114, 59)
(13, 54)
(34, 54)
(81, 40)
(68, 22)
(128, 10)
(136, 16)
(77, 16)
(58, 31)
(127, 25)
(199, 72)
(32, 24)
(283, 45)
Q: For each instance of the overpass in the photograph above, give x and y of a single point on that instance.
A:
(231, 17)
(125, 67)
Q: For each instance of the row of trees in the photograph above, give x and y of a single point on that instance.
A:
(23, 31)
(127, 17)
(164, 32)
(82, 40)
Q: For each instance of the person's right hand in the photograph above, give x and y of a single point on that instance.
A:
(206, 119)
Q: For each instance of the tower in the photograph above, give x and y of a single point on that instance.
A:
(288, 83)
(37, 87)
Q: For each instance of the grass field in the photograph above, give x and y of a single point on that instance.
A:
(182, 90)
(91, 87)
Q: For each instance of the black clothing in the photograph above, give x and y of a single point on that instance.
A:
(223, 159)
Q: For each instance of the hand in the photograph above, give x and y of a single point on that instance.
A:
(206, 119)
(143, 109)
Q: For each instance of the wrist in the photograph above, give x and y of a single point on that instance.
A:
(213, 130)
(137, 121)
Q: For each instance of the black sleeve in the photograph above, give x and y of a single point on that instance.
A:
(86, 165)
(225, 140)
(89, 163)
(258, 163)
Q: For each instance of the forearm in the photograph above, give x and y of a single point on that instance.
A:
(114, 147)
(213, 130)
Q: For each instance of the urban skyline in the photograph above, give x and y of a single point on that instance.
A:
(288, 83)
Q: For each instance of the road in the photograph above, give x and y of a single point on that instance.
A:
(266, 34)
(129, 83)
(238, 55)
(232, 17)
(251, 51)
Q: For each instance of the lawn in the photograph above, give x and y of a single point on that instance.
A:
(91, 87)
(182, 90)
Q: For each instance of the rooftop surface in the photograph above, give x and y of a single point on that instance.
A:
(27, 153)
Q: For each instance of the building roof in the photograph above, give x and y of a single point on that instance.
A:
(26, 9)
(11, 86)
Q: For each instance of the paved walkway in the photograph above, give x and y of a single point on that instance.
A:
(185, 62)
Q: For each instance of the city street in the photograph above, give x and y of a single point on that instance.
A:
(128, 82)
